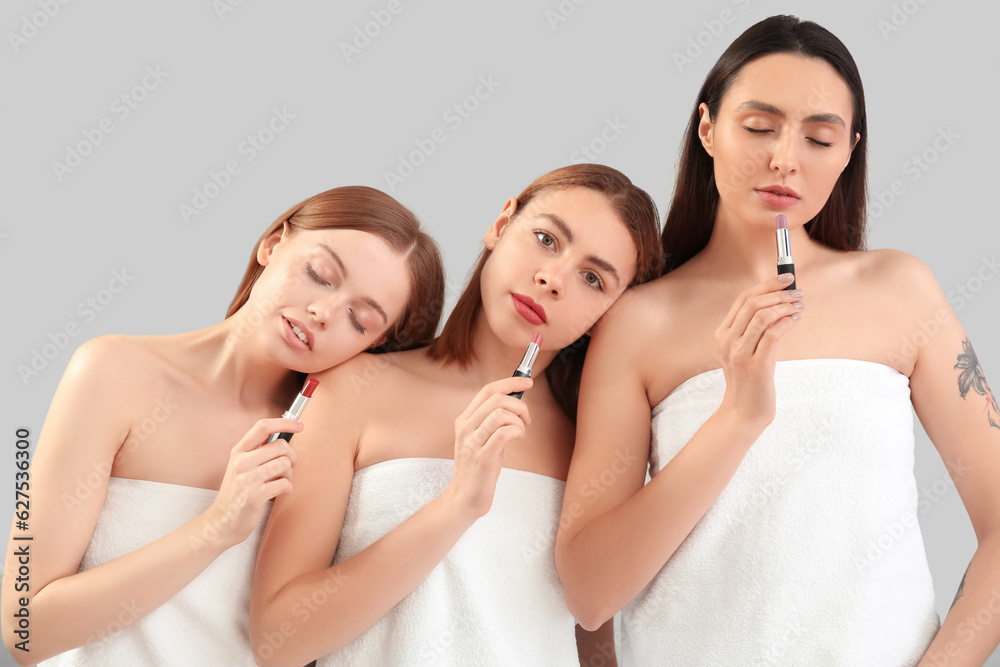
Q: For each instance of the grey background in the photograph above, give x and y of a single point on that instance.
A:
(227, 66)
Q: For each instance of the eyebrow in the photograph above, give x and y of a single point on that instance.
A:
(343, 269)
(755, 105)
(593, 259)
(336, 258)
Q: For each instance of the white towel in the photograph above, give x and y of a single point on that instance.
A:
(812, 555)
(494, 600)
(207, 622)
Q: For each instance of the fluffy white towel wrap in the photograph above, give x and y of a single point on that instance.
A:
(494, 600)
(207, 622)
(812, 555)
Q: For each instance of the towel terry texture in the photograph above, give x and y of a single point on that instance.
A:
(812, 555)
(207, 622)
(494, 600)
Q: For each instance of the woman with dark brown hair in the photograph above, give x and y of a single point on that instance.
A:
(440, 530)
(152, 474)
(780, 523)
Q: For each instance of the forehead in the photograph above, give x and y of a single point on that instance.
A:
(369, 260)
(800, 86)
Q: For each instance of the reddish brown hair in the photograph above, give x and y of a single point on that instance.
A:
(369, 210)
(636, 210)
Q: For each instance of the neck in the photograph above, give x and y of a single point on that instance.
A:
(739, 249)
(495, 360)
(230, 361)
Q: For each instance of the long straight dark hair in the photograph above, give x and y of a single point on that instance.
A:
(841, 222)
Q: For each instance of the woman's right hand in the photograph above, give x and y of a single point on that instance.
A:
(748, 346)
(482, 431)
(257, 472)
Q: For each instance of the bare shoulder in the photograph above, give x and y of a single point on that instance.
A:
(901, 274)
(123, 364)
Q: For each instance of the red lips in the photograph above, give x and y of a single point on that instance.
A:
(528, 309)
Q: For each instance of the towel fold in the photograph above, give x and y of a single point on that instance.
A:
(494, 600)
(207, 622)
(812, 555)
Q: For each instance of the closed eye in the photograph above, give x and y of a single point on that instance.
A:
(315, 276)
(355, 322)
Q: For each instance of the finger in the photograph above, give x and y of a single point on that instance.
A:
(494, 446)
(759, 324)
(756, 303)
(504, 387)
(767, 347)
(775, 284)
(276, 488)
(500, 401)
(263, 429)
(492, 422)
(264, 453)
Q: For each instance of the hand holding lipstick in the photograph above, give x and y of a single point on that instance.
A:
(492, 419)
(257, 472)
(748, 346)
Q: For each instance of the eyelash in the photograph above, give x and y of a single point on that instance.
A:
(818, 143)
(354, 320)
(599, 285)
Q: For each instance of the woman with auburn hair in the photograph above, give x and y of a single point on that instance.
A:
(780, 523)
(151, 562)
(416, 537)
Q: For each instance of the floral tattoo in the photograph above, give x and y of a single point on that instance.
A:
(972, 377)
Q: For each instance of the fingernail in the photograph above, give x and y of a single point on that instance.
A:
(798, 304)
(786, 277)
(798, 294)
(796, 316)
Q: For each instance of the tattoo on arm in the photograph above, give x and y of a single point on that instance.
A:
(961, 587)
(972, 377)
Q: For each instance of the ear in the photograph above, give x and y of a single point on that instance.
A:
(265, 249)
(857, 139)
(705, 129)
(495, 231)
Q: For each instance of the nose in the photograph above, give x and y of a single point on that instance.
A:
(323, 306)
(784, 154)
(550, 277)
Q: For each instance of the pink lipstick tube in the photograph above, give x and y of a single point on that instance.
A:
(524, 368)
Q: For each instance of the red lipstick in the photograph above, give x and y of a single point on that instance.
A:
(528, 309)
(298, 405)
(524, 368)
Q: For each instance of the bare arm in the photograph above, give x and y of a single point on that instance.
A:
(959, 411)
(614, 538)
(304, 527)
(88, 421)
